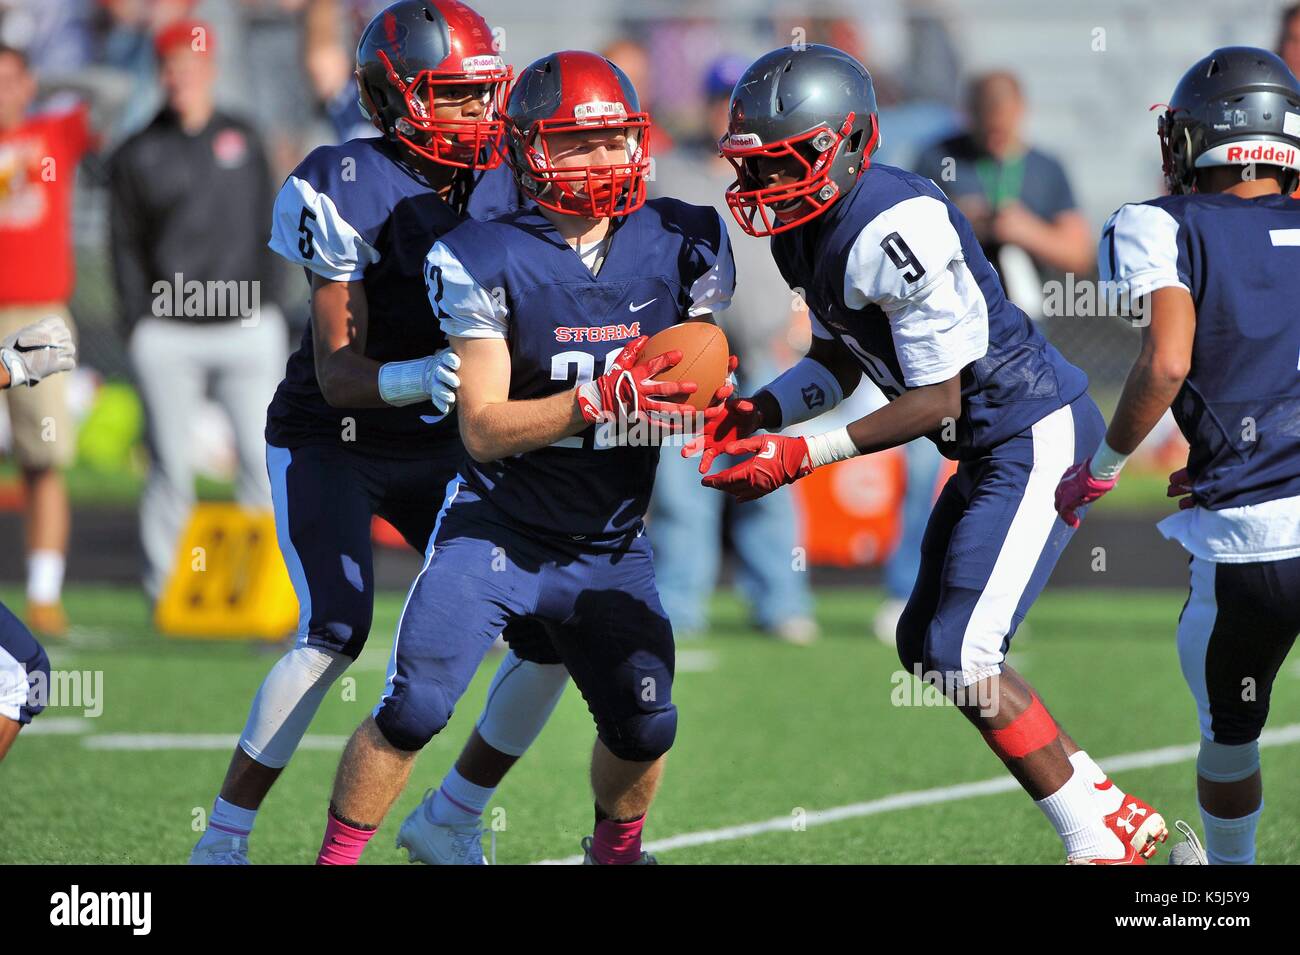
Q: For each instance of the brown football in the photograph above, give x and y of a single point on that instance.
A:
(704, 359)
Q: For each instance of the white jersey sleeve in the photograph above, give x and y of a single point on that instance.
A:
(307, 230)
(1139, 250)
(909, 261)
(712, 291)
(464, 308)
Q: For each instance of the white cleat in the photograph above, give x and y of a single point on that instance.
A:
(1189, 852)
(440, 844)
(224, 850)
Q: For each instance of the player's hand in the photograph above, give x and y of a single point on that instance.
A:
(1180, 486)
(38, 351)
(733, 420)
(1077, 489)
(627, 390)
(440, 380)
(778, 460)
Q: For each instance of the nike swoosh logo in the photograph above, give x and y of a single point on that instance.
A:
(637, 308)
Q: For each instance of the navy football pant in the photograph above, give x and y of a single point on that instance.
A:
(1239, 623)
(991, 543)
(21, 660)
(597, 598)
(324, 498)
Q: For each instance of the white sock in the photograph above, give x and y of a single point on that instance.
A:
(1231, 841)
(286, 702)
(44, 576)
(1074, 815)
(1107, 795)
(228, 820)
(519, 702)
(458, 800)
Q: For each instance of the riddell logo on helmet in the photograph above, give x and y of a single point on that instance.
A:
(587, 112)
(744, 141)
(1263, 152)
(482, 64)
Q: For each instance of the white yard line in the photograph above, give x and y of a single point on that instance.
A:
(145, 742)
(1282, 736)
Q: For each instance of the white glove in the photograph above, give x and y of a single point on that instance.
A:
(38, 351)
(403, 383)
(441, 381)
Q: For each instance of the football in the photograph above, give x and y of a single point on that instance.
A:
(704, 359)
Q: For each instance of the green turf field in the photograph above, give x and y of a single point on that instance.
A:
(767, 732)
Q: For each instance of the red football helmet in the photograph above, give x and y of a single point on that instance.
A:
(569, 92)
(416, 51)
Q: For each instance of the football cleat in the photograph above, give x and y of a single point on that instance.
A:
(440, 843)
(221, 851)
(1130, 857)
(1190, 851)
(1138, 826)
(589, 859)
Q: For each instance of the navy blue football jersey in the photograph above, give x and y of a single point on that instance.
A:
(1240, 259)
(356, 212)
(515, 278)
(893, 273)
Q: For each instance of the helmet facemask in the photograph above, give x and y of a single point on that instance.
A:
(460, 143)
(600, 191)
(754, 205)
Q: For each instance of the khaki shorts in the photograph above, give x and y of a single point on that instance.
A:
(43, 432)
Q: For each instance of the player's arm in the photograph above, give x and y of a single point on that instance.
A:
(1140, 252)
(909, 263)
(308, 230)
(492, 426)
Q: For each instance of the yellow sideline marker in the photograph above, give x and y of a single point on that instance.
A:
(229, 580)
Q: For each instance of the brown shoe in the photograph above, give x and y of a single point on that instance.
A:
(47, 620)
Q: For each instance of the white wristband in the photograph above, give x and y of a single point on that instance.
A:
(1106, 462)
(805, 391)
(831, 447)
(402, 383)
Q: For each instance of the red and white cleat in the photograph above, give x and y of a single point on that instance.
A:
(1130, 857)
(1138, 826)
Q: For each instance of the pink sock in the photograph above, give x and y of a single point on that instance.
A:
(343, 843)
(617, 843)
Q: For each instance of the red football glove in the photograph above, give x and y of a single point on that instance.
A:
(627, 391)
(1079, 488)
(1180, 486)
(779, 460)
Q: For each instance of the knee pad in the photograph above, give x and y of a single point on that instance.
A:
(414, 715)
(1224, 763)
(287, 702)
(1030, 731)
(642, 738)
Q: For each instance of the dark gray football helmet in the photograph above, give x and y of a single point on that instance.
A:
(814, 104)
(412, 52)
(1237, 107)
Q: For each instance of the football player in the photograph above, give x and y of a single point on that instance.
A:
(1214, 266)
(26, 357)
(899, 289)
(549, 309)
(362, 423)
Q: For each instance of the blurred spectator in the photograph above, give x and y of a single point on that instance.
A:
(330, 34)
(1016, 197)
(763, 531)
(191, 202)
(38, 161)
(1288, 37)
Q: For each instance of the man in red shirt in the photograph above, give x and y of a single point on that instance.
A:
(38, 161)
